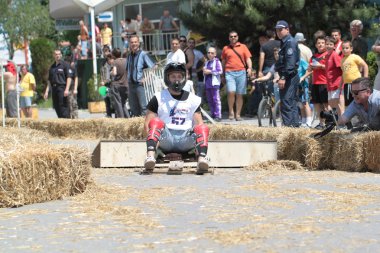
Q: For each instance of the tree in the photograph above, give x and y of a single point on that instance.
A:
(24, 20)
(252, 17)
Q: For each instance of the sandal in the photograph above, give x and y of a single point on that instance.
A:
(238, 118)
(231, 117)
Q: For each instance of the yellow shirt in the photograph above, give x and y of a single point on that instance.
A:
(106, 34)
(27, 83)
(351, 67)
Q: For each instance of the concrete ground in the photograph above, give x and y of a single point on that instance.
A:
(238, 210)
(235, 210)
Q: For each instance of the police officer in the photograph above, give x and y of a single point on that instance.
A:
(287, 66)
(59, 80)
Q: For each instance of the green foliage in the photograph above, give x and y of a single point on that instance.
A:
(372, 65)
(42, 54)
(93, 94)
(24, 20)
(252, 17)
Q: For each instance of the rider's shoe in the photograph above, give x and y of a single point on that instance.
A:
(149, 163)
(202, 166)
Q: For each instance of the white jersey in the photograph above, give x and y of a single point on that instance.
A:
(176, 114)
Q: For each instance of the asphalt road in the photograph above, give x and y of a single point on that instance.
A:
(270, 210)
(234, 210)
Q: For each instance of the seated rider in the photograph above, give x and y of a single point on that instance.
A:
(174, 120)
(366, 104)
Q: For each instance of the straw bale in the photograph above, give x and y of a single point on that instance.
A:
(243, 132)
(293, 143)
(278, 165)
(105, 128)
(32, 173)
(371, 150)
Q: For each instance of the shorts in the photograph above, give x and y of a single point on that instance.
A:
(347, 94)
(334, 94)
(319, 94)
(25, 102)
(304, 95)
(83, 45)
(237, 82)
(177, 140)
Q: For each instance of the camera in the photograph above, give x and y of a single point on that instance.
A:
(331, 117)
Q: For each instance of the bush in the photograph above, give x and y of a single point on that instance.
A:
(93, 95)
(42, 50)
(372, 65)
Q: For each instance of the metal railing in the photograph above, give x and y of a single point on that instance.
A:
(157, 43)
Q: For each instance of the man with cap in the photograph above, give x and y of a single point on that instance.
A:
(287, 66)
(305, 51)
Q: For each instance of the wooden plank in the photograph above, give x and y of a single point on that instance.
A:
(229, 154)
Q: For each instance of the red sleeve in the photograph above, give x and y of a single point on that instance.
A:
(336, 59)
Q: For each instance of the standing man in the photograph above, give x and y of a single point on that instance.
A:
(167, 25)
(119, 84)
(237, 64)
(197, 70)
(28, 85)
(83, 39)
(287, 67)
(336, 34)
(59, 80)
(359, 43)
(137, 61)
(189, 55)
(106, 34)
(266, 59)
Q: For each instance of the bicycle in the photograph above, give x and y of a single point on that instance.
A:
(268, 107)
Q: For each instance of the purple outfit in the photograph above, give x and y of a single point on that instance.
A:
(212, 84)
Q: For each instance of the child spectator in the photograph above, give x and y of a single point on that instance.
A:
(319, 96)
(306, 115)
(334, 76)
(212, 71)
(351, 64)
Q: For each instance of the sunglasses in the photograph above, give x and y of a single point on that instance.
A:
(233, 36)
(356, 92)
(182, 40)
(210, 52)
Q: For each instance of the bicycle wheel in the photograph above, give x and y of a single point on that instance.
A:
(277, 120)
(263, 111)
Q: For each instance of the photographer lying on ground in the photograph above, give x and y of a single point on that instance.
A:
(366, 105)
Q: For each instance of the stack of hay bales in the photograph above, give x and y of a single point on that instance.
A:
(339, 150)
(32, 170)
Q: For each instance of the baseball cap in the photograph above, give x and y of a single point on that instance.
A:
(281, 24)
(299, 37)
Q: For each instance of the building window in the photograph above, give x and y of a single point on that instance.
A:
(152, 10)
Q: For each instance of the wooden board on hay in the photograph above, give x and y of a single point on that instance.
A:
(97, 107)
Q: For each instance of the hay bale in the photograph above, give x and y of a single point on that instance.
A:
(243, 132)
(278, 165)
(33, 171)
(371, 151)
(110, 129)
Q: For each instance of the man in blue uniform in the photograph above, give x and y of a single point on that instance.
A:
(60, 80)
(287, 66)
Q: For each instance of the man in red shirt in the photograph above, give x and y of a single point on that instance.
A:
(237, 65)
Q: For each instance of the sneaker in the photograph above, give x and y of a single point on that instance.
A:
(149, 163)
(202, 166)
(319, 127)
(304, 126)
(218, 119)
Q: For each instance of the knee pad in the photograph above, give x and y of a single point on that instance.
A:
(202, 133)
(155, 128)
